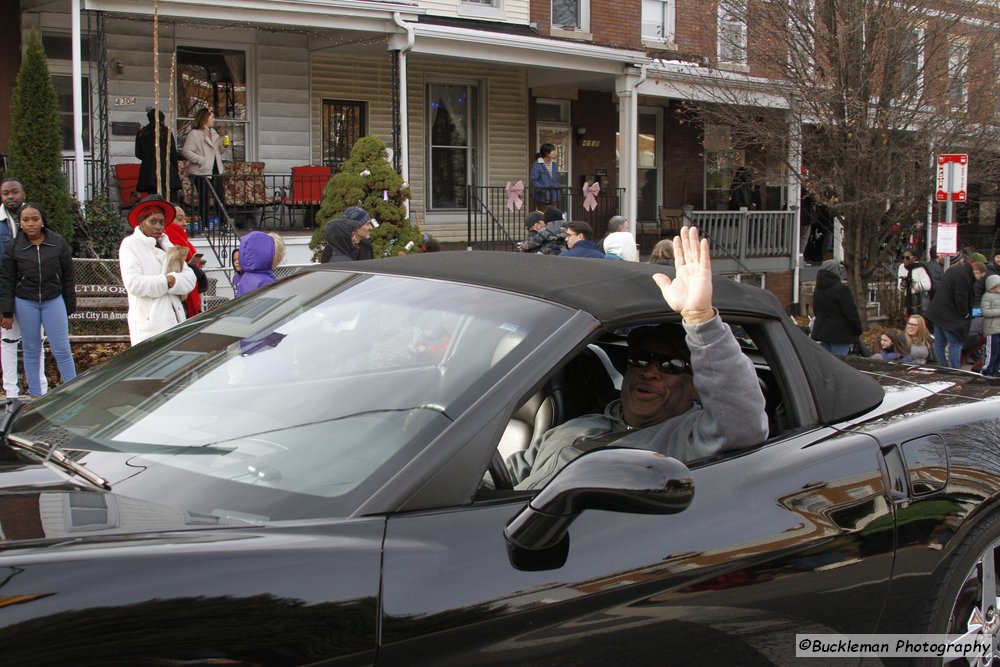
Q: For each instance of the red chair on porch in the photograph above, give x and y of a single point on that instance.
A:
(127, 176)
(308, 185)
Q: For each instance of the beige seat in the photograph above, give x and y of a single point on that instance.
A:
(530, 421)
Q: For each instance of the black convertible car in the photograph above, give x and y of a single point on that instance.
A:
(313, 474)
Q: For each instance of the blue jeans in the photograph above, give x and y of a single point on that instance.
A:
(51, 314)
(953, 341)
(836, 349)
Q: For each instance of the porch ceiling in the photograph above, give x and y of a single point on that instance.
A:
(363, 15)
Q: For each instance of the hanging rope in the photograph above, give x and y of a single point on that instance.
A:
(170, 119)
(156, 95)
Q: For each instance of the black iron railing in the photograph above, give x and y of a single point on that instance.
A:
(492, 225)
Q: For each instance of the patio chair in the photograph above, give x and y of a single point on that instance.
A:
(308, 184)
(244, 192)
(127, 176)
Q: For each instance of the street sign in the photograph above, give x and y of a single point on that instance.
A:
(947, 238)
(952, 176)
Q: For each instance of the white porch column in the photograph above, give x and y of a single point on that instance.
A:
(628, 130)
(81, 175)
(794, 198)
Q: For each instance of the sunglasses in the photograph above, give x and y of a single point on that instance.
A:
(664, 362)
(907, 257)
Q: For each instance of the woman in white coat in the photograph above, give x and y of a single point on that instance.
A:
(203, 150)
(155, 277)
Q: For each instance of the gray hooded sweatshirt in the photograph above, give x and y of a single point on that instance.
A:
(730, 416)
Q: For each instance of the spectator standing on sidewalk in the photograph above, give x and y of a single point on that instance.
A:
(950, 312)
(154, 272)
(12, 196)
(914, 283)
(837, 325)
(991, 325)
(38, 287)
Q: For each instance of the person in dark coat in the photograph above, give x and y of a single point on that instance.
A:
(579, 237)
(950, 310)
(145, 150)
(837, 325)
(346, 236)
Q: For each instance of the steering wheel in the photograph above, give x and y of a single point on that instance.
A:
(502, 481)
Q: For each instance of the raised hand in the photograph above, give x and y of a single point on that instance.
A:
(690, 292)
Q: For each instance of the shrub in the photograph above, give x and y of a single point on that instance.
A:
(368, 180)
(35, 146)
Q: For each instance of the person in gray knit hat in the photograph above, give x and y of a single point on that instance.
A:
(347, 236)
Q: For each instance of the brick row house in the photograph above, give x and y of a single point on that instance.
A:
(463, 91)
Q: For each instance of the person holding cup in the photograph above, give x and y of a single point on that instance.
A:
(203, 150)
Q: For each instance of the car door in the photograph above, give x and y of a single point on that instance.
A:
(795, 536)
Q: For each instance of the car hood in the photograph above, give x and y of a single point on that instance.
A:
(40, 506)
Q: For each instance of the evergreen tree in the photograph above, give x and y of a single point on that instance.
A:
(36, 141)
(368, 180)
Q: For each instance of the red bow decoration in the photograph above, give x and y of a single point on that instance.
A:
(590, 192)
(514, 192)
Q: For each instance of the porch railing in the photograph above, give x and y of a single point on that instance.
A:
(492, 226)
(744, 234)
(69, 170)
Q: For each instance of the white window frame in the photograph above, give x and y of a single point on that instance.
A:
(728, 21)
(801, 42)
(918, 35)
(482, 9)
(665, 20)
(582, 30)
(958, 72)
(477, 164)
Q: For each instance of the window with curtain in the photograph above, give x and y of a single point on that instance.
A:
(568, 14)
(344, 122)
(732, 32)
(214, 78)
(453, 138)
(658, 20)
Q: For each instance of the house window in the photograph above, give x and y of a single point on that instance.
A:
(91, 511)
(912, 69)
(571, 15)
(658, 20)
(958, 75)
(453, 129)
(732, 32)
(64, 92)
(216, 79)
(59, 52)
(344, 122)
(801, 40)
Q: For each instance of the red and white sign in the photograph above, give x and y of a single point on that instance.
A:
(947, 238)
(952, 176)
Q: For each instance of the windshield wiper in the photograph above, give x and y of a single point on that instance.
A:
(48, 454)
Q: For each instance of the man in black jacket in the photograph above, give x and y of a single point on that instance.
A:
(950, 310)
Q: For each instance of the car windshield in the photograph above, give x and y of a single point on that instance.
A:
(296, 401)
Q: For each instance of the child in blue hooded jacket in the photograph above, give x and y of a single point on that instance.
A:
(260, 254)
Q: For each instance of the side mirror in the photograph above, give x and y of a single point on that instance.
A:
(611, 479)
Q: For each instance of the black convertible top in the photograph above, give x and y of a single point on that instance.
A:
(610, 290)
(616, 291)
